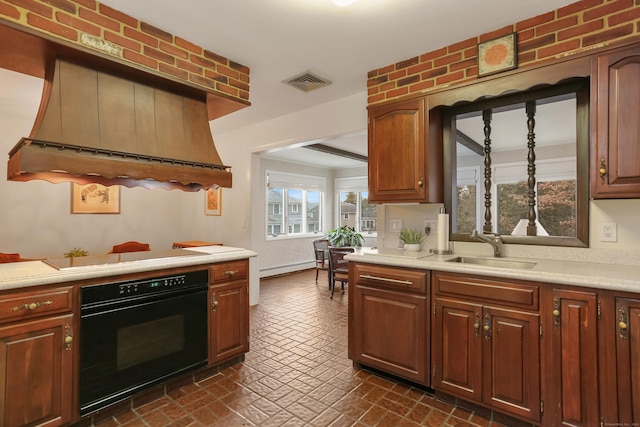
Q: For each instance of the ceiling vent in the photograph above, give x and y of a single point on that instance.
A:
(307, 81)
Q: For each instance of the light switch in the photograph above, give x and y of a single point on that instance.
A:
(396, 225)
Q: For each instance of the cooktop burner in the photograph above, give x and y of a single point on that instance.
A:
(101, 260)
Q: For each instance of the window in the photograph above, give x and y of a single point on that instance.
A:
(518, 166)
(294, 204)
(354, 209)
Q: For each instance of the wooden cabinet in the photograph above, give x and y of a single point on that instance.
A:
(228, 310)
(571, 374)
(628, 360)
(36, 358)
(486, 342)
(403, 165)
(616, 124)
(390, 323)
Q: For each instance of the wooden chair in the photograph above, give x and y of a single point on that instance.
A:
(130, 246)
(6, 258)
(338, 267)
(321, 250)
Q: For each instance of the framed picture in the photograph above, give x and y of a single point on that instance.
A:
(95, 199)
(213, 202)
(497, 55)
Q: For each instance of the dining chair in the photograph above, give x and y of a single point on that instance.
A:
(338, 267)
(130, 246)
(321, 250)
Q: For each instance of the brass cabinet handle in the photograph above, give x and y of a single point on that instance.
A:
(214, 302)
(31, 306)
(231, 272)
(68, 338)
(386, 279)
(556, 311)
(476, 325)
(487, 326)
(420, 182)
(602, 170)
(623, 324)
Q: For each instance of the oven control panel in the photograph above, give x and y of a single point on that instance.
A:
(118, 290)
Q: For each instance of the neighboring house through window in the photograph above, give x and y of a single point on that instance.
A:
(354, 208)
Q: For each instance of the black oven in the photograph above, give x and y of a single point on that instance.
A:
(138, 333)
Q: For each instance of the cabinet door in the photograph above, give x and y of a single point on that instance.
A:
(572, 389)
(37, 373)
(457, 349)
(397, 152)
(228, 320)
(617, 155)
(628, 360)
(511, 358)
(390, 332)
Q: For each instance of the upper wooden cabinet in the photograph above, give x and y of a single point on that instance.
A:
(615, 119)
(403, 165)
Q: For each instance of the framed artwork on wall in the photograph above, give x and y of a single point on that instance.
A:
(213, 202)
(497, 55)
(95, 199)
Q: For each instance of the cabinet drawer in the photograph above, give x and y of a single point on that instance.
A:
(512, 292)
(21, 305)
(379, 276)
(226, 271)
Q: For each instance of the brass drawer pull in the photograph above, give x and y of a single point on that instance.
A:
(386, 279)
(32, 306)
(231, 273)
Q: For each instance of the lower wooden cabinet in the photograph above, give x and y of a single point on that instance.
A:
(486, 343)
(228, 310)
(390, 321)
(571, 377)
(628, 360)
(36, 372)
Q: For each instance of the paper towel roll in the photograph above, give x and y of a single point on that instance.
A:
(443, 232)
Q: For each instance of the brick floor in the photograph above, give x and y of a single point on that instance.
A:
(297, 374)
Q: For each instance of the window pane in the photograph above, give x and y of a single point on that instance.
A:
(513, 206)
(466, 208)
(368, 214)
(275, 219)
(313, 212)
(557, 209)
(294, 200)
(348, 208)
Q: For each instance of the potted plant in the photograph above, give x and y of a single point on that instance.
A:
(344, 236)
(75, 252)
(411, 239)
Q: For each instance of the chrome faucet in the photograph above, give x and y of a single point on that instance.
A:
(493, 239)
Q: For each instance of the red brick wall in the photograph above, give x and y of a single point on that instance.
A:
(141, 43)
(574, 28)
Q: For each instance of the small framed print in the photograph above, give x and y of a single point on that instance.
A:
(95, 199)
(497, 55)
(213, 202)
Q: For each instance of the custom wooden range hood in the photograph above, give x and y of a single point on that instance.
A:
(93, 126)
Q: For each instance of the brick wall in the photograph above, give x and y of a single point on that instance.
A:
(138, 42)
(574, 28)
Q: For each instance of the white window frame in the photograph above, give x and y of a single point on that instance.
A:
(292, 181)
(356, 185)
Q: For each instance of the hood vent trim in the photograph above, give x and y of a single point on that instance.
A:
(98, 127)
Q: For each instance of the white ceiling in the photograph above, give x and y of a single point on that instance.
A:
(279, 39)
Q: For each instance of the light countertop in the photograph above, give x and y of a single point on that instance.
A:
(33, 273)
(588, 274)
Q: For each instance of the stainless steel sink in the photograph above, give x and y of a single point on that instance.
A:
(494, 262)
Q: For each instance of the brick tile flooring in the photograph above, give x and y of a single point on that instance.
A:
(297, 374)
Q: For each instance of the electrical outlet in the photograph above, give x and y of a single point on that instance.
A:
(608, 232)
(431, 226)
